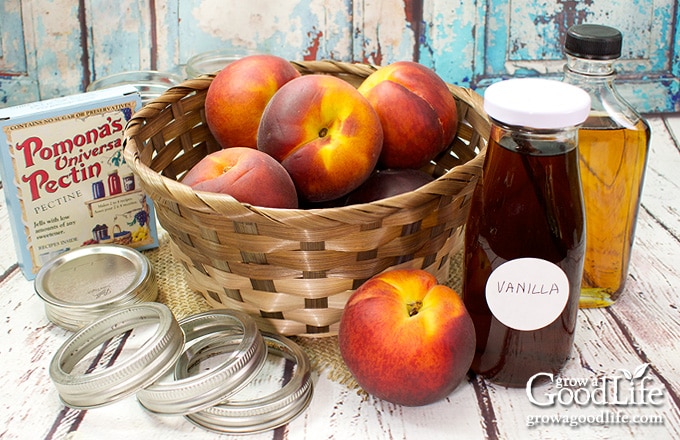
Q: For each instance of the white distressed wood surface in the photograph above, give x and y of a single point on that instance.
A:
(643, 327)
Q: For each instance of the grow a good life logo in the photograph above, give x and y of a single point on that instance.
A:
(627, 389)
(624, 388)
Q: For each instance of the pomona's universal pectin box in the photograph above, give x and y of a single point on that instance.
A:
(65, 180)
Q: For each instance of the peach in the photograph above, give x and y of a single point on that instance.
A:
(324, 132)
(405, 338)
(417, 111)
(387, 183)
(238, 95)
(248, 175)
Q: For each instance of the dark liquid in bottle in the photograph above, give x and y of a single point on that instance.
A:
(529, 204)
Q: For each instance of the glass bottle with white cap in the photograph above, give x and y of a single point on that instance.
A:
(525, 235)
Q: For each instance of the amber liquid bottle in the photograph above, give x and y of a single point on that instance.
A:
(613, 150)
(525, 232)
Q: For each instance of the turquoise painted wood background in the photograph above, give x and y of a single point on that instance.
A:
(52, 48)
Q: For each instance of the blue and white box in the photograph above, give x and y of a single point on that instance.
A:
(65, 179)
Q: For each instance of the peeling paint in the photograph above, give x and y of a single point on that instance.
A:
(468, 42)
(240, 21)
(450, 39)
(59, 68)
(292, 29)
(12, 51)
(385, 37)
(413, 11)
(312, 49)
(117, 45)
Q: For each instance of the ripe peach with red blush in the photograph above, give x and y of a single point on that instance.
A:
(324, 132)
(248, 175)
(238, 95)
(405, 338)
(417, 111)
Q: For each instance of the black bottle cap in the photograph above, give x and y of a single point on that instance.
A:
(593, 41)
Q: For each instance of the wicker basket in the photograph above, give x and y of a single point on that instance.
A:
(293, 270)
(120, 236)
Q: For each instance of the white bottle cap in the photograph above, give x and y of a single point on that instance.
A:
(536, 103)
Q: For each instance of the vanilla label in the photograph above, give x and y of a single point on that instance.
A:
(527, 293)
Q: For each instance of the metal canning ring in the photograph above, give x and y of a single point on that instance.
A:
(242, 416)
(236, 334)
(125, 376)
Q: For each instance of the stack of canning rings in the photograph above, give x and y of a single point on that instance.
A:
(163, 371)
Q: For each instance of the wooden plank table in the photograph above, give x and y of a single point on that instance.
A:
(638, 336)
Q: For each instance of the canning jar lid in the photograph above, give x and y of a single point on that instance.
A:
(85, 283)
(85, 389)
(149, 83)
(237, 334)
(537, 103)
(243, 415)
(213, 61)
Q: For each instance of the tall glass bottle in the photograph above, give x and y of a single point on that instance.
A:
(613, 148)
(525, 234)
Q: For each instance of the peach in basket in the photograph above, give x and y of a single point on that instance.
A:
(248, 175)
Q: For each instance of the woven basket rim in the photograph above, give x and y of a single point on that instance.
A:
(158, 105)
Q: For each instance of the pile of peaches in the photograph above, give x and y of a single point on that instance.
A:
(304, 141)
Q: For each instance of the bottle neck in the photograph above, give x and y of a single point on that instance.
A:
(583, 66)
(597, 77)
(535, 142)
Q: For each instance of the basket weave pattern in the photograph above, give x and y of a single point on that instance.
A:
(293, 270)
